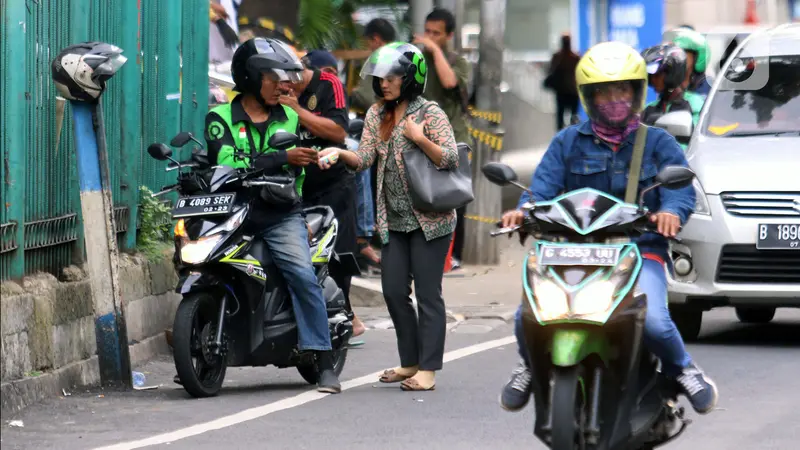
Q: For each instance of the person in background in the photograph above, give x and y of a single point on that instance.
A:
(377, 33)
(325, 62)
(561, 79)
(447, 86)
(415, 242)
(365, 210)
(223, 31)
(699, 53)
(321, 105)
(666, 68)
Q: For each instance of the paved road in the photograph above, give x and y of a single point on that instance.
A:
(756, 367)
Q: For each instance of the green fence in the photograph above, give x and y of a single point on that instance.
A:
(162, 89)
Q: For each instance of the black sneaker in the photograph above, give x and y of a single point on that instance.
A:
(327, 381)
(517, 391)
(698, 388)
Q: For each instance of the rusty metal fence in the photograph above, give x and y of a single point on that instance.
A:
(162, 89)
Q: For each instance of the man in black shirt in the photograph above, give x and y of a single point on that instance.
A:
(322, 108)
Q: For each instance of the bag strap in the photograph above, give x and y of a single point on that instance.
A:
(636, 164)
(422, 111)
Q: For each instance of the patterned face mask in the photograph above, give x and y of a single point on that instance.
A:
(616, 112)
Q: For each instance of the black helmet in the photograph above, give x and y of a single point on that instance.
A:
(263, 55)
(399, 59)
(80, 71)
(668, 59)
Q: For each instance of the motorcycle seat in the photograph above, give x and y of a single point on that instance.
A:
(319, 218)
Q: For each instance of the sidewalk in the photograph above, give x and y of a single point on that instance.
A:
(474, 293)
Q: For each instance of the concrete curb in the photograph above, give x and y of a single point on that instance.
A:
(18, 394)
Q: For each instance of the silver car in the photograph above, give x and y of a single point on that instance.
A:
(741, 247)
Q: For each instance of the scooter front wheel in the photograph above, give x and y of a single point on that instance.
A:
(565, 409)
(200, 369)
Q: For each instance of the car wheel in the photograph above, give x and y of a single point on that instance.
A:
(688, 320)
(755, 315)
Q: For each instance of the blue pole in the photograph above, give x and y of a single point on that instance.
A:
(101, 244)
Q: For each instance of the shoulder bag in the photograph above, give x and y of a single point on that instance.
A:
(433, 189)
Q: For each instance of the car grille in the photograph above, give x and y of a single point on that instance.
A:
(762, 204)
(746, 264)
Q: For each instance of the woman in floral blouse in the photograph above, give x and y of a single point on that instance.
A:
(415, 242)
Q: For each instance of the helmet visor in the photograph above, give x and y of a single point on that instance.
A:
(111, 66)
(294, 76)
(385, 62)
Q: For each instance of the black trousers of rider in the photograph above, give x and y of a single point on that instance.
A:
(420, 339)
(341, 197)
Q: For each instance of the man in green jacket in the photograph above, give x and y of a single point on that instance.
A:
(262, 70)
(667, 65)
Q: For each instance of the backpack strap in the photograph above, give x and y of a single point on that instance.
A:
(636, 164)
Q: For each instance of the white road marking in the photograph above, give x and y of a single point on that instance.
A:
(287, 403)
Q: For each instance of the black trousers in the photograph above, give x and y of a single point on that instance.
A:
(458, 239)
(341, 197)
(420, 340)
(565, 102)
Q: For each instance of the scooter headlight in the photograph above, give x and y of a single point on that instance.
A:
(551, 300)
(196, 252)
(595, 298)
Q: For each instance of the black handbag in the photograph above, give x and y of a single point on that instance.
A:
(281, 191)
(433, 189)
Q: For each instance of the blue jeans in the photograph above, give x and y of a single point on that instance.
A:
(365, 214)
(660, 333)
(287, 241)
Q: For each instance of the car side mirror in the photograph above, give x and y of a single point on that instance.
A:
(159, 151)
(355, 127)
(677, 123)
(181, 139)
(675, 177)
(283, 140)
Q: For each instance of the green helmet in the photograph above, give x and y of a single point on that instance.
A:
(400, 59)
(692, 41)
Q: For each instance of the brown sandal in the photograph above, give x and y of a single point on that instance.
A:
(411, 384)
(390, 376)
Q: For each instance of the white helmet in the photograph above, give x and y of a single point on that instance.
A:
(80, 71)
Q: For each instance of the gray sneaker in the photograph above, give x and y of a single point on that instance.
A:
(517, 392)
(698, 388)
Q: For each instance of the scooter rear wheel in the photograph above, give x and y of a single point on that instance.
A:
(565, 409)
(201, 373)
(310, 374)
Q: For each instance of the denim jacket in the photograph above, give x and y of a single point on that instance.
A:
(578, 159)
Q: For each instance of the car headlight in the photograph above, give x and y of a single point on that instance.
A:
(701, 201)
(595, 298)
(551, 300)
(196, 252)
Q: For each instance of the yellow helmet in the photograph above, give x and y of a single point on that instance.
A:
(610, 62)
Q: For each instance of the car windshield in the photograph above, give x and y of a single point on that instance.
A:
(754, 101)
